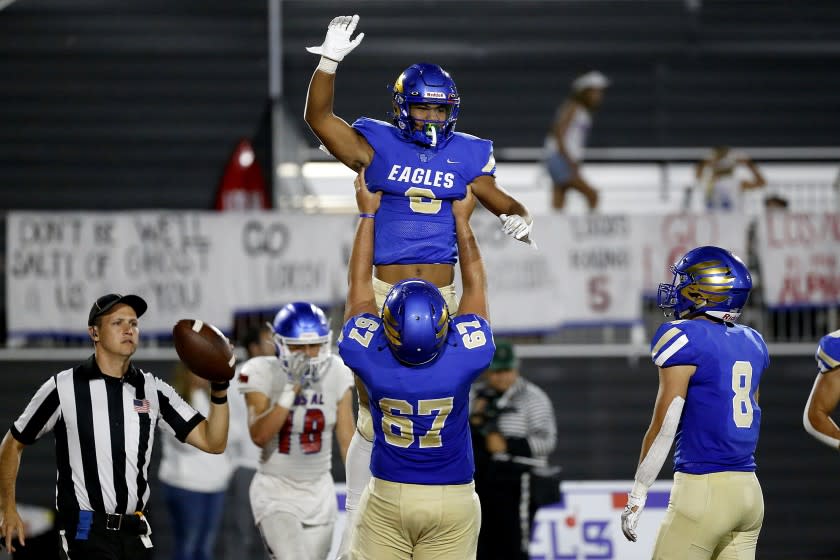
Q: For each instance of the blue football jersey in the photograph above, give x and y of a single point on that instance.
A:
(828, 352)
(719, 427)
(420, 413)
(414, 224)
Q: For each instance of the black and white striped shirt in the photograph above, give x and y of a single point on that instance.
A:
(104, 430)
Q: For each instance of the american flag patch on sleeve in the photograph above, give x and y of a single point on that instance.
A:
(141, 406)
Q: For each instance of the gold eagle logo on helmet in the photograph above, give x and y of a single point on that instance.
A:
(711, 280)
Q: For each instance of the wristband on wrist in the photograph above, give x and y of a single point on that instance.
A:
(366, 215)
(218, 400)
(219, 385)
(327, 65)
(287, 398)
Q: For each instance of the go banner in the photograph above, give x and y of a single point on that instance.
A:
(665, 239)
(185, 264)
(800, 259)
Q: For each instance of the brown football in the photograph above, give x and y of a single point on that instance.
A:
(203, 349)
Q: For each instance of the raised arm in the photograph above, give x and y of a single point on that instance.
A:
(360, 295)
(473, 276)
(211, 434)
(758, 179)
(345, 423)
(349, 147)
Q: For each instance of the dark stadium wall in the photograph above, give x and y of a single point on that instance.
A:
(728, 72)
(126, 105)
(139, 104)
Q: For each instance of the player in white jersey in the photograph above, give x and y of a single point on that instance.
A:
(295, 400)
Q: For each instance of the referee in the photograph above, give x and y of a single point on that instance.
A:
(103, 414)
(513, 432)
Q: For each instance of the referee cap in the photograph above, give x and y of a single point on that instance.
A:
(103, 304)
(504, 358)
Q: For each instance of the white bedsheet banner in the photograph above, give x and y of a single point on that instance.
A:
(800, 259)
(588, 270)
(185, 264)
(667, 238)
(585, 272)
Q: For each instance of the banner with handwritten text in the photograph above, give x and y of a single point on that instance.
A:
(588, 270)
(185, 264)
(800, 259)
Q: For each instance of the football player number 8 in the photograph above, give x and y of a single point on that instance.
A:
(399, 430)
(742, 410)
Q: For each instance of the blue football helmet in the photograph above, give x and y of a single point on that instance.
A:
(416, 321)
(425, 83)
(302, 323)
(709, 280)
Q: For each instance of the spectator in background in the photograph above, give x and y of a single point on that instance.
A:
(717, 176)
(566, 140)
(241, 537)
(193, 482)
(825, 394)
(513, 432)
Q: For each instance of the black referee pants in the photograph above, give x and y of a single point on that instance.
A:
(506, 520)
(103, 545)
(103, 537)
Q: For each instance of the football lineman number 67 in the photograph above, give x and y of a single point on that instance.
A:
(399, 430)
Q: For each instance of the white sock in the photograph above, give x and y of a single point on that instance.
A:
(357, 472)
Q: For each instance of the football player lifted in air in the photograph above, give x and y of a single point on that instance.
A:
(421, 166)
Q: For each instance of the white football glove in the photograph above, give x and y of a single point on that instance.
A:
(630, 518)
(337, 43)
(300, 370)
(516, 226)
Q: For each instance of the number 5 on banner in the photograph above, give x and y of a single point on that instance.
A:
(599, 296)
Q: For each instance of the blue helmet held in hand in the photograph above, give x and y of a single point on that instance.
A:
(416, 321)
(707, 280)
(428, 84)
